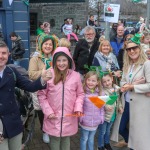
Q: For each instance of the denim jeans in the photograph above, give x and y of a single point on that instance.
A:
(104, 133)
(123, 130)
(87, 138)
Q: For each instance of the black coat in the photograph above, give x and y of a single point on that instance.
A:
(120, 58)
(18, 49)
(82, 56)
(9, 111)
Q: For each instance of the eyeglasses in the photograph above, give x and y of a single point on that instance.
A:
(131, 48)
(89, 34)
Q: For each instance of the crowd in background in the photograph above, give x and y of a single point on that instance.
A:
(64, 103)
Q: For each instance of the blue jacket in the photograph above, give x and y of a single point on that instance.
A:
(115, 45)
(9, 111)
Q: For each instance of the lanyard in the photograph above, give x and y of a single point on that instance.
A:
(131, 72)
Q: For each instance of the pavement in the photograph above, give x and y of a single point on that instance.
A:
(36, 142)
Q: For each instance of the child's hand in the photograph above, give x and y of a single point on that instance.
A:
(78, 113)
(118, 73)
(120, 110)
(52, 116)
(109, 108)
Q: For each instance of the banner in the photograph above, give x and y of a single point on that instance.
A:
(111, 12)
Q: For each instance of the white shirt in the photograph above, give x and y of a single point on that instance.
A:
(1, 72)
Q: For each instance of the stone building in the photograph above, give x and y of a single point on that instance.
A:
(55, 11)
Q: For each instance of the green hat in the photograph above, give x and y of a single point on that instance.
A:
(42, 37)
(136, 38)
(97, 69)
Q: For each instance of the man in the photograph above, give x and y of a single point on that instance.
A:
(11, 126)
(85, 50)
(17, 48)
(113, 31)
(91, 21)
(118, 40)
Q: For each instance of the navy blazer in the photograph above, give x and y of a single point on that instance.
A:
(9, 111)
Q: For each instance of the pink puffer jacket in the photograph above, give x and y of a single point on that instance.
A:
(61, 99)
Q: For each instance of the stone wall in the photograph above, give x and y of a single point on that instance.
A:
(60, 11)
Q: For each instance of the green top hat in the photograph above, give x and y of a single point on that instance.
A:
(136, 38)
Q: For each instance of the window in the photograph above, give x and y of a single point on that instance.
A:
(1, 3)
(33, 23)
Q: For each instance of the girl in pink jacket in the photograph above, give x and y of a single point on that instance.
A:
(93, 116)
(62, 100)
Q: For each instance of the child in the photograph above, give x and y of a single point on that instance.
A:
(67, 29)
(63, 42)
(110, 113)
(62, 100)
(93, 116)
(145, 43)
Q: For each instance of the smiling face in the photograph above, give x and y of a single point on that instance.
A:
(62, 63)
(107, 81)
(133, 51)
(47, 47)
(92, 82)
(105, 48)
(3, 57)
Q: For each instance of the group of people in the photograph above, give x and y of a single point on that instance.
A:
(65, 86)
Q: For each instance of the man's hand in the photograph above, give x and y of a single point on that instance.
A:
(46, 74)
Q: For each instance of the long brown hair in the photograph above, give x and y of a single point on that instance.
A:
(88, 75)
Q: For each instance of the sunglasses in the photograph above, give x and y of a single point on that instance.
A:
(131, 48)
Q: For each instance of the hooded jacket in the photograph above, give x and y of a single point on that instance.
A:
(62, 100)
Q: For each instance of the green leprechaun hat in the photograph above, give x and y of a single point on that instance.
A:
(136, 38)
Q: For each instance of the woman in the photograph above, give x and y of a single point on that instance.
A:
(106, 59)
(135, 84)
(46, 46)
(121, 52)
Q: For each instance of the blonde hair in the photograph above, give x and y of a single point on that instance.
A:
(127, 61)
(101, 38)
(88, 75)
(105, 42)
(145, 34)
(63, 42)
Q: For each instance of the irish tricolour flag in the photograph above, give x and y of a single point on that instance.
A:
(100, 101)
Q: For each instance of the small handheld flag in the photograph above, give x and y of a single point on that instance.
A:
(100, 101)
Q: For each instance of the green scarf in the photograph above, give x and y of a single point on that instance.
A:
(47, 61)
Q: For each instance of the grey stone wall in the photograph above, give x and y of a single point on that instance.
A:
(60, 11)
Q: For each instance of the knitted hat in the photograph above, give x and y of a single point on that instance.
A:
(136, 38)
(56, 55)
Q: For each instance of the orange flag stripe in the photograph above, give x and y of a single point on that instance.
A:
(97, 101)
